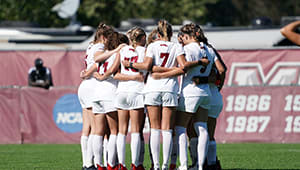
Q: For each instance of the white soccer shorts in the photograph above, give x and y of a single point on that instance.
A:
(103, 107)
(129, 101)
(191, 104)
(165, 99)
(85, 94)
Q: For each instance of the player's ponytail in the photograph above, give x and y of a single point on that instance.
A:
(152, 36)
(164, 29)
(136, 36)
(200, 35)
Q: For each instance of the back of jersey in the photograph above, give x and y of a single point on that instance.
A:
(163, 54)
(195, 52)
(133, 55)
(91, 50)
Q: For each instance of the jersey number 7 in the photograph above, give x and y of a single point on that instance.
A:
(165, 56)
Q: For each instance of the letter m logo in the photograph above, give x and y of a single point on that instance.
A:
(252, 74)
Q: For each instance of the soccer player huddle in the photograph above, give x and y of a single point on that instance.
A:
(177, 84)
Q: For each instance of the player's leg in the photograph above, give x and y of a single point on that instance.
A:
(154, 113)
(193, 143)
(105, 144)
(167, 125)
(181, 123)
(212, 147)
(174, 153)
(86, 128)
(123, 119)
(112, 121)
(200, 126)
(98, 138)
(142, 150)
(90, 152)
(135, 144)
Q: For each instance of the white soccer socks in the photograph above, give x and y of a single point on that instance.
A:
(182, 142)
(200, 128)
(155, 146)
(121, 146)
(84, 144)
(135, 146)
(112, 148)
(167, 147)
(89, 153)
(98, 149)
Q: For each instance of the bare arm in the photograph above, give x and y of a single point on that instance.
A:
(113, 69)
(124, 77)
(222, 73)
(88, 73)
(102, 56)
(145, 65)
(175, 71)
(289, 32)
(160, 69)
(189, 64)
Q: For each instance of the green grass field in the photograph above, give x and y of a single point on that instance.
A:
(232, 156)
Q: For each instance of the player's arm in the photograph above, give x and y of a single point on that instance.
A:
(289, 32)
(113, 69)
(145, 65)
(175, 71)
(189, 64)
(222, 73)
(221, 67)
(160, 69)
(101, 56)
(124, 77)
(88, 73)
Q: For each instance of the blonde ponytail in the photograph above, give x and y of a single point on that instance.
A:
(164, 29)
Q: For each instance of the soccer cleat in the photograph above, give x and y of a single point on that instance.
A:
(140, 167)
(121, 167)
(152, 167)
(116, 167)
(194, 167)
(90, 168)
(218, 164)
(172, 167)
(100, 167)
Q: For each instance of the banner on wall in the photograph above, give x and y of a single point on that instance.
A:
(261, 99)
(260, 114)
(51, 116)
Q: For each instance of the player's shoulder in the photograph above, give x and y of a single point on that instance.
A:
(140, 49)
(98, 47)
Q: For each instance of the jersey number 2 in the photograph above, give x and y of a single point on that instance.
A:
(133, 60)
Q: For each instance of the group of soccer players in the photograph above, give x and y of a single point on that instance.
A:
(176, 84)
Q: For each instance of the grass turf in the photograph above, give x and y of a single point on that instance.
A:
(232, 156)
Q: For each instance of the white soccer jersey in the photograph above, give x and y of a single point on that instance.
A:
(106, 89)
(164, 54)
(135, 56)
(193, 52)
(85, 92)
(91, 50)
